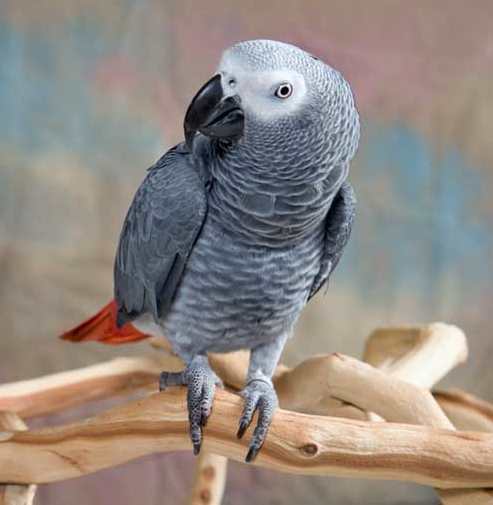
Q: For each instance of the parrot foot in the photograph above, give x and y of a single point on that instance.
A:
(259, 394)
(201, 382)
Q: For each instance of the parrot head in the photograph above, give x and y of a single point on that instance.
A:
(269, 93)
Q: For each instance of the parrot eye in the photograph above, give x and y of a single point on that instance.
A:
(284, 90)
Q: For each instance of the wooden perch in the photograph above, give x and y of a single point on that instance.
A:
(52, 393)
(59, 391)
(15, 494)
(410, 357)
(400, 401)
(55, 392)
(420, 356)
(297, 443)
(210, 479)
(371, 389)
(466, 411)
(409, 360)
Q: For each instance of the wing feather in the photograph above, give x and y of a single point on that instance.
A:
(339, 222)
(158, 235)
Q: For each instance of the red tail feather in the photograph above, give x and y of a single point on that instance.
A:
(102, 328)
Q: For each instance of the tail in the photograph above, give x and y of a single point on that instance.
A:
(102, 328)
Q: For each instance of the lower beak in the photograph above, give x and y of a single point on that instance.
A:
(213, 114)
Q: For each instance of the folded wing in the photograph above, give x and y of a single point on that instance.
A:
(158, 235)
(339, 222)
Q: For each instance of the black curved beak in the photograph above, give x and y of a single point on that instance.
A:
(213, 114)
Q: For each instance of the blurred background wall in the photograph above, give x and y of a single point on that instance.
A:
(92, 92)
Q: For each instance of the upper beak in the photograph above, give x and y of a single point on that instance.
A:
(213, 114)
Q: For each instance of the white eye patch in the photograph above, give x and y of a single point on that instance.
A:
(262, 93)
(260, 90)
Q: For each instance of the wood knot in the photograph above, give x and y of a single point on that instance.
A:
(309, 450)
(205, 496)
(209, 472)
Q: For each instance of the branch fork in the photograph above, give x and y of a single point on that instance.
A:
(330, 431)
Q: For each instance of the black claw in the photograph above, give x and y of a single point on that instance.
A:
(241, 430)
(196, 448)
(203, 420)
(252, 454)
(200, 381)
(261, 397)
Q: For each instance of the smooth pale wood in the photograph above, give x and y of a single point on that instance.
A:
(466, 411)
(466, 497)
(45, 395)
(394, 400)
(297, 443)
(369, 388)
(15, 494)
(420, 356)
(407, 353)
(399, 351)
(55, 392)
(419, 345)
(209, 480)
(416, 355)
(52, 393)
(307, 388)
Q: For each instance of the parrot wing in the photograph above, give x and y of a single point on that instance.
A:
(158, 235)
(339, 222)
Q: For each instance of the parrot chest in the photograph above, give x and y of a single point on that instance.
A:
(237, 295)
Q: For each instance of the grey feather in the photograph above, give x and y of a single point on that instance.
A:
(224, 246)
(158, 235)
(339, 223)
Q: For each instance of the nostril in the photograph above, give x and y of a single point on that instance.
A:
(232, 82)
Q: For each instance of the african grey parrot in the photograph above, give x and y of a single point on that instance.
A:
(234, 230)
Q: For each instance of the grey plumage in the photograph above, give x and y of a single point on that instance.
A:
(158, 234)
(339, 223)
(227, 240)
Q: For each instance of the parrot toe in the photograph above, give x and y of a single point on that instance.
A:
(201, 382)
(259, 395)
(167, 379)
